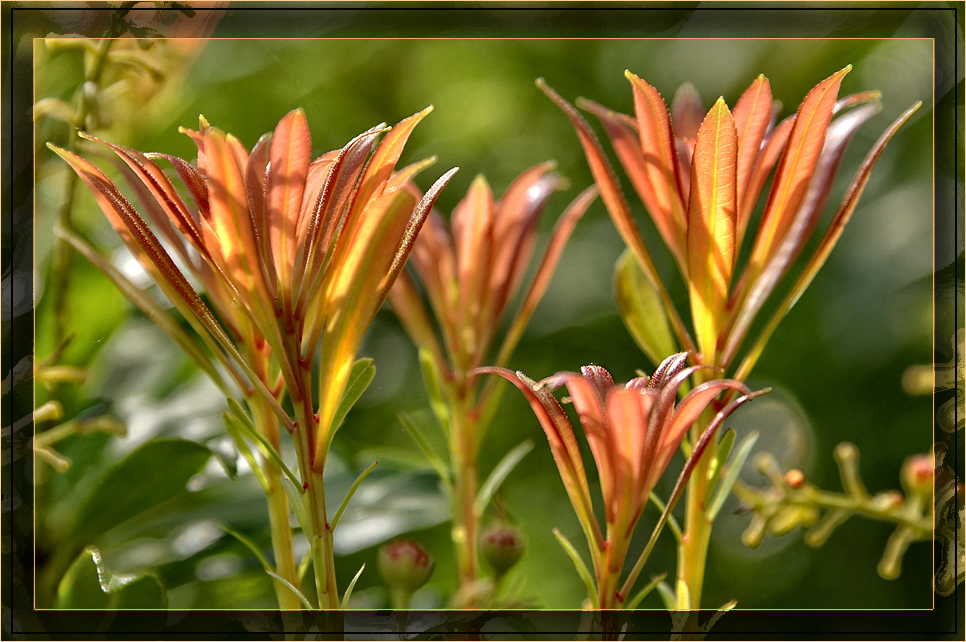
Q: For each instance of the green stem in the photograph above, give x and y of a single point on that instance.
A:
(465, 519)
(278, 507)
(693, 548)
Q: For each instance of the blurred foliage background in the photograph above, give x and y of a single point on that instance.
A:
(836, 362)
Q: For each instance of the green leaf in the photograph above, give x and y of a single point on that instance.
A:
(153, 473)
(352, 585)
(297, 503)
(352, 491)
(236, 436)
(247, 428)
(720, 457)
(249, 544)
(418, 434)
(667, 596)
(641, 309)
(728, 482)
(580, 566)
(637, 599)
(360, 377)
(281, 580)
(431, 378)
(89, 585)
(499, 474)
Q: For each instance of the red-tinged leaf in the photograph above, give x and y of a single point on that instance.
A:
(411, 233)
(315, 179)
(667, 393)
(668, 368)
(548, 264)
(832, 234)
(657, 143)
(711, 225)
(859, 98)
(795, 168)
(434, 260)
(628, 412)
(689, 410)
(610, 193)
(623, 135)
(611, 467)
(291, 152)
(159, 187)
(472, 225)
(156, 214)
(771, 149)
(563, 446)
(144, 244)
(193, 181)
(329, 213)
(514, 246)
(840, 132)
(386, 156)
(697, 451)
(256, 184)
(230, 220)
(753, 113)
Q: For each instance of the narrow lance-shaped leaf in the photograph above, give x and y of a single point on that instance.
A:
(500, 473)
(582, 570)
(360, 377)
(622, 131)
(144, 244)
(147, 305)
(610, 193)
(563, 446)
(795, 168)
(729, 479)
(828, 242)
(752, 115)
(291, 151)
(840, 132)
(657, 143)
(711, 225)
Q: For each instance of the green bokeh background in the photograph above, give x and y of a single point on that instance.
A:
(836, 362)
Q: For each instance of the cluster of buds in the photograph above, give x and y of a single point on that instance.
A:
(792, 502)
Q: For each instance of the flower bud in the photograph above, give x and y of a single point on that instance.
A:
(795, 478)
(502, 546)
(404, 565)
(917, 474)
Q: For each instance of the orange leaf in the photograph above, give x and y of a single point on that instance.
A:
(795, 168)
(711, 225)
(657, 143)
(610, 193)
(291, 151)
(752, 114)
(623, 136)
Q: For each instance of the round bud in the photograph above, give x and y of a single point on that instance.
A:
(917, 474)
(795, 478)
(502, 545)
(404, 565)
